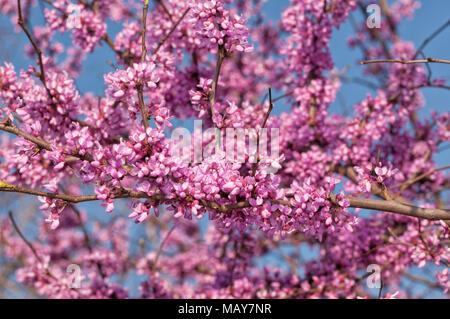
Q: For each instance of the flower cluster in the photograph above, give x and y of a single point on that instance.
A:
(216, 25)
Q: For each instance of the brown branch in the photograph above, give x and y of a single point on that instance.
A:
(400, 205)
(396, 207)
(140, 85)
(25, 240)
(159, 252)
(213, 93)
(38, 51)
(283, 96)
(376, 190)
(411, 181)
(144, 30)
(64, 197)
(431, 37)
(355, 202)
(270, 108)
(427, 60)
(17, 131)
(161, 3)
(42, 144)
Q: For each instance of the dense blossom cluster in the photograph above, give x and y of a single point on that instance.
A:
(218, 26)
(214, 60)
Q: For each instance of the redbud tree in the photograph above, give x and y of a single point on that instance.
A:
(361, 191)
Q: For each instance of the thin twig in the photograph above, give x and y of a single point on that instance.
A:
(25, 240)
(408, 183)
(431, 37)
(381, 287)
(427, 60)
(144, 31)
(38, 51)
(269, 110)
(422, 280)
(42, 144)
(159, 252)
(140, 85)
(213, 93)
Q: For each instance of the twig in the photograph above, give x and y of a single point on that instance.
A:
(140, 85)
(431, 37)
(35, 46)
(144, 112)
(42, 76)
(159, 252)
(40, 142)
(161, 2)
(408, 183)
(430, 72)
(395, 207)
(269, 110)
(282, 96)
(427, 60)
(355, 202)
(221, 54)
(125, 56)
(144, 31)
(381, 287)
(11, 217)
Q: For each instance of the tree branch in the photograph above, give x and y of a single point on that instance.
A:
(213, 93)
(408, 183)
(140, 85)
(431, 37)
(25, 240)
(427, 60)
(40, 142)
(38, 51)
(396, 207)
(355, 202)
